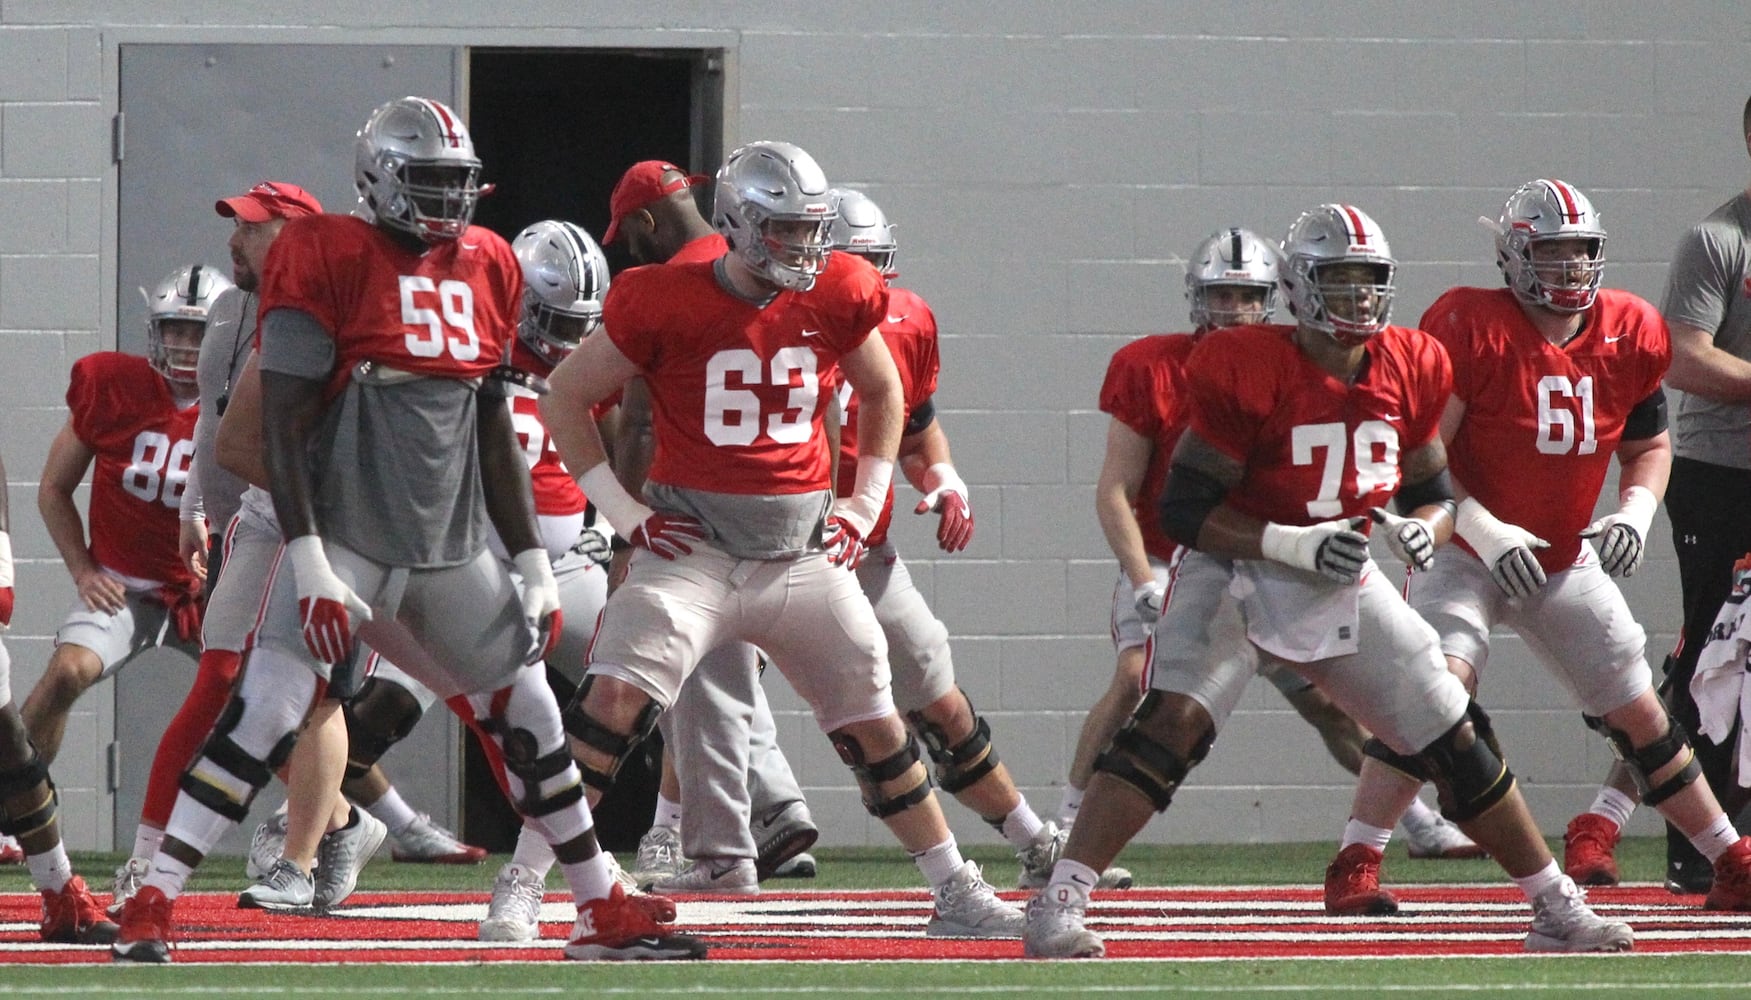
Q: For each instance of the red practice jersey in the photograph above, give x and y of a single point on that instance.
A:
(121, 409)
(738, 390)
(704, 248)
(556, 492)
(447, 313)
(909, 330)
(1539, 413)
(1314, 448)
(1145, 389)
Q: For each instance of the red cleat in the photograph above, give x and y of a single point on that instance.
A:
(616, 929)
(1352, 884)
(1732, 888)
(1587, 847)
(71, 916)
(146, 927)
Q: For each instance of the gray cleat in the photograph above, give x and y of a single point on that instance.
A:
(284, 887)
(340, 856)
(1562, 921)
(1055, 928)
(967, 907)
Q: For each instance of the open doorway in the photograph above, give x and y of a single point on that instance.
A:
(555, 130)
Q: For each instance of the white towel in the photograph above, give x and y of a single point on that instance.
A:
(1298, 616)
(1719, 685)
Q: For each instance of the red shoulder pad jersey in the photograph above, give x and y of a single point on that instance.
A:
(447, 313)
(909, 330)
(704, 248)
(122, 410)
(1145, 389)
(1314, 448)
(556, 492)
(738, 391)
(1536, 412)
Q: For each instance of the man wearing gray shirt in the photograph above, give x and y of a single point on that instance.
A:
(1707, 305)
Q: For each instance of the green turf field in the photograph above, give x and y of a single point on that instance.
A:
(1612, 976)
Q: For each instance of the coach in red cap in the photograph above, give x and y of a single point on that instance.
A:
(269, 200)
(645, 202)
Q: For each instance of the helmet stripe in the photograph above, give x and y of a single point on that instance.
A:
(1353, 218)
(445, 121)
(1235, 251)
(1566, 196)
(194, 285)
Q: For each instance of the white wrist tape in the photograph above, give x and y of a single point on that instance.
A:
(869, 494)
(5, 559)
(1290, 545)
(603, 488)
(309, 562)
(1637, 505)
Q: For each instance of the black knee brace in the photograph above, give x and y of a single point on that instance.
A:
(232, 758)
(960, 766)
(22, 780)
(1467, 768)
(524, 759)
(1138, 760)
(1410, 765)
(586, 730)
(1645, 761)
(378, 717)
(871, 775)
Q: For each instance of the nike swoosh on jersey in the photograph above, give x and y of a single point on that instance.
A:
(1613, 340)
(811, 333)
(896, 319)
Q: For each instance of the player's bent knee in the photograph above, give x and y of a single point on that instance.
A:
(1646, 761)
(874, 776)
(1138, 756)
(378, 717)
(1467, 767)
(223, 752)
(600, 735)
(27, 797)
(1410, 765)
(963, 762)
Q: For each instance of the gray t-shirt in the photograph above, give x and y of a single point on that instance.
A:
(395, 458)
(1706, 288)
(224, 352)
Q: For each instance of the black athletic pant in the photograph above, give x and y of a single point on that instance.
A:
(1710, 508)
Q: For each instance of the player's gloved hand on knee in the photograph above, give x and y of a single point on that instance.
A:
(1409, 538)
(947, 494)
(1621, 537)
(1505, 548)
(326, 605)
(540, 600)
(1149, 598)
(1336, 550)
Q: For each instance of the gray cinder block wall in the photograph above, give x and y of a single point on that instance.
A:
(1046, 162)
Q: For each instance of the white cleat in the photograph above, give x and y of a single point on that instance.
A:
(711, 876)
(515, 911)
(1038, 858)
(266, 846)
(967, 907)
(128, 878)
(341, 855)
(659, 856)
(1055, 928)
(1562, 921)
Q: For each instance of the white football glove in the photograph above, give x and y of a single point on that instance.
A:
(1336, 550)
(540, 600)
(1621, 537)
(1505, 548)
(1409, 538)
(326, 605)
(1149, 598)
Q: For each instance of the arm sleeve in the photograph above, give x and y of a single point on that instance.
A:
(295, 343)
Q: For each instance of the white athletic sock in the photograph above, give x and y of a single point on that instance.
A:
(1714, 841)
(533, 851)
(1613, 805)
(168, 875)
(940, 863)
(393, 810)
(1358, 832)
(50, 870)
(1542, 881)
(1072, 877)
(668, 813)
(1069, 805)
(146, 841)
(1020, 825)
(589, 879)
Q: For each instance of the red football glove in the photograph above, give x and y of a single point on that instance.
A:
(5, 581)
(844, 542)
(5, 608)
(184, 606)
(948, 496)
(667, 535)
(324, 601)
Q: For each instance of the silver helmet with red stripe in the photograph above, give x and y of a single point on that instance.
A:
(1550, 246)
(415, 168)
(1238, 259)
(1337, 273)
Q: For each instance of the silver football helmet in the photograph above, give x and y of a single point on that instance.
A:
(863, 229)
(1333, 235)
(1232, 257)
(415, 169)
(565, 278)
(1545, 210)
(774, 207)
(186, 295)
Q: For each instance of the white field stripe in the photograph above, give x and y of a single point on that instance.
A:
(1062, 989)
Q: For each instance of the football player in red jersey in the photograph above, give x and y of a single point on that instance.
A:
(27, 797)
(743, 539)
(389, 451)
(1554, 375)
(133, 417)
(1297, 435)
(722, 708)
(1231, 280)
